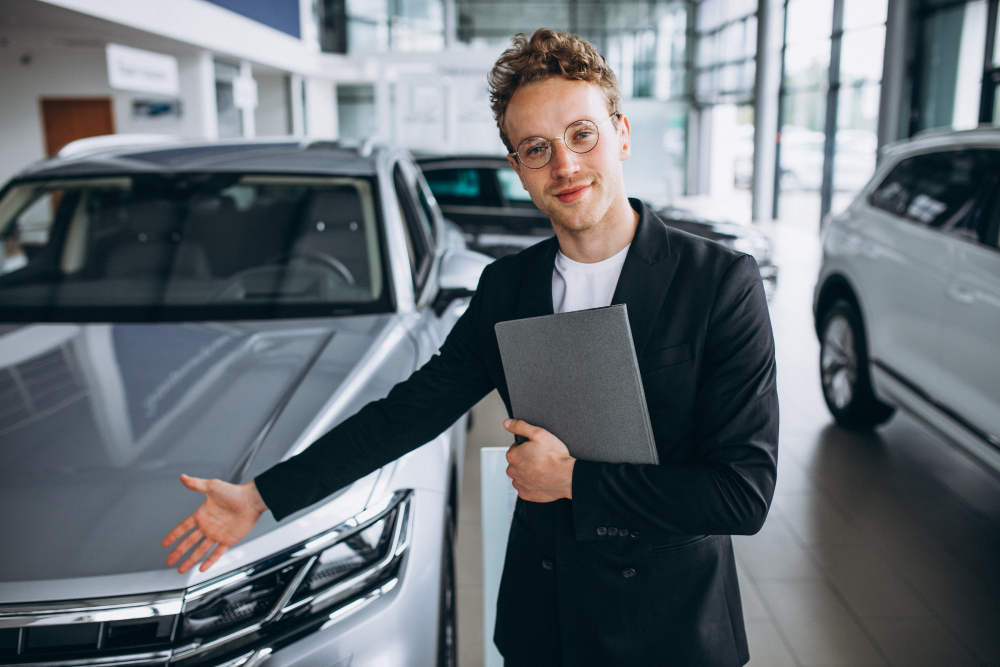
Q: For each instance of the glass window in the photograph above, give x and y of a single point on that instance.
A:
(514, 194)
(416, 227)
(864, 13)
(196, 246)
(861, 55)
(459, 187)
(951, 67)
(229, 116)
(944, 190)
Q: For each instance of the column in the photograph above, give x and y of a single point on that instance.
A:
(205, 104)
(891, 122)
(245, 94)
(767, 101)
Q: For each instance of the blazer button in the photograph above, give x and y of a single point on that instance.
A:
(635, 533)
(612, 531)
(628, 573)
(602, 531)
(623, 532)
(547, 564)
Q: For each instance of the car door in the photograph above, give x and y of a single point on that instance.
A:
(970, 381)
(900, 265)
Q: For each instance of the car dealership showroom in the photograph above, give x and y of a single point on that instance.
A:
(266, 310)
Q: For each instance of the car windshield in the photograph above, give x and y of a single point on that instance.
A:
(190, 246)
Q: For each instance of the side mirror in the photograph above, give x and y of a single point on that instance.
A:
(458, 276)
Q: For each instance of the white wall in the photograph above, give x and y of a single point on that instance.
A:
(272, 105)
(321, 109)
(82, 72)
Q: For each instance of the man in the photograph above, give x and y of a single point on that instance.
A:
(606, 564)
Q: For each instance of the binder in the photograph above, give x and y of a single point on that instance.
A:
(576, 375)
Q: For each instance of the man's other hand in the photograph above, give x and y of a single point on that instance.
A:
(228, 514)
(541, 468)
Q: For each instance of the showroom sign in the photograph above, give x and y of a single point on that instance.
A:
(142, 71)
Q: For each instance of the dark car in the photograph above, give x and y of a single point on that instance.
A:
(483, 196)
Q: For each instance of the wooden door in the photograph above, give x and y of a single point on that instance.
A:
(68, 119)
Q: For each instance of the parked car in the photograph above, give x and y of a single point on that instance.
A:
(484, 197)
(907, 305)
(212, 309)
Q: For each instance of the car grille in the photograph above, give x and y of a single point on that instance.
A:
(37, 387)
(90, 632)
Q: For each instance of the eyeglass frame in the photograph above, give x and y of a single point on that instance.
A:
(552, 148)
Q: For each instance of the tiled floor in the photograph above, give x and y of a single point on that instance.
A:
(880, 548)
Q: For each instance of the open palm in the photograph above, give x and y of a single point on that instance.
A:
(229, 513)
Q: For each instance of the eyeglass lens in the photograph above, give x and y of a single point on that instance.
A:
(579, 137)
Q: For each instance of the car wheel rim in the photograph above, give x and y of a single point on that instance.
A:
(839, 362)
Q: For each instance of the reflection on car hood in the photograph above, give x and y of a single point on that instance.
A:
(97, 421)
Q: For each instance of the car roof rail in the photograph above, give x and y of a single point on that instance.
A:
(105, 142)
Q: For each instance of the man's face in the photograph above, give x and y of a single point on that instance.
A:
(575, 190)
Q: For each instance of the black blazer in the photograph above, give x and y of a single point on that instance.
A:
(638, 568)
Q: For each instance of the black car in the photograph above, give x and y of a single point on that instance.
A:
(484, 197)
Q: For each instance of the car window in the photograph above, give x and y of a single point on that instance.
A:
(27, 231)
(514, 195)
(945, 190)
(416, 227)
(191, 246)
(456, 187)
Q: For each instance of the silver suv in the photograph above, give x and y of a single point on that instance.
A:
(212, 309)
(907, 304)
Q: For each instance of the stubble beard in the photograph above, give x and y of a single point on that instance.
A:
(582, 216)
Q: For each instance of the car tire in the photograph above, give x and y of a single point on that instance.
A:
(447, 617)
(844, 370)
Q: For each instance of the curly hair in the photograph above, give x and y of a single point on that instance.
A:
(548, 53)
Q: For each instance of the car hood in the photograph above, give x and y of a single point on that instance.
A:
(99, 420)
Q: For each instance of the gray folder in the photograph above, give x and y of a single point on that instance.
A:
(576, 375)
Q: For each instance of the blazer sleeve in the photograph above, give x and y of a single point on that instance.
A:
(415, 412)
(727, 488)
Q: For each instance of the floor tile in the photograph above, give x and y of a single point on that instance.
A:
(766, 646)
(773, 553)
(868, 583)
(919, 643)
(815, 520)
(818, 627)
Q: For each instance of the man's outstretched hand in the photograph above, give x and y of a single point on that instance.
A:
(542, 468)
(228, 514)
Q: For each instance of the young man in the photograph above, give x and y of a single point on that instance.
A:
(606, 564)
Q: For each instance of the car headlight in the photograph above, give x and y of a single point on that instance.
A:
(295, 590)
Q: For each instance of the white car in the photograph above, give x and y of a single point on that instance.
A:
(212, 308)
(907, 305)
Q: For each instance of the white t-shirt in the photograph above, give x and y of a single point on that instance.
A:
(577, 286)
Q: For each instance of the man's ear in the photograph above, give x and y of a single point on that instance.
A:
(625, 135)
(516, 166)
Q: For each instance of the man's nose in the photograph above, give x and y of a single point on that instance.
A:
(564, 162)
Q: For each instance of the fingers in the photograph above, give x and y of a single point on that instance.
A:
(175, 534)
(183, 547)
(216, 555)
(196, 555)
(195, 483)
(518, 427)
(513, 454)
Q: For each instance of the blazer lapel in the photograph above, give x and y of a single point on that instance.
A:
(535, 298)
(649, 267)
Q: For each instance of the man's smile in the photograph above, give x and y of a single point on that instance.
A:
(573, 193)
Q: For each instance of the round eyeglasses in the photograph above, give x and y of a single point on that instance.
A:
(580, 137)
